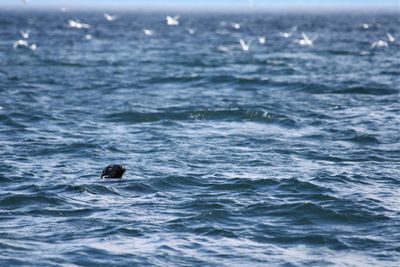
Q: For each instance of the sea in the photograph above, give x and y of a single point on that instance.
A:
(248, 138)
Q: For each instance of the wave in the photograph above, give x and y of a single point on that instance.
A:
(214, 232)
(362, 90)
(175, 182)
(363, 139)
(310, 212)
(222, 114)
(309, 239)
(25, 200)
(74, 148)
(172, 79)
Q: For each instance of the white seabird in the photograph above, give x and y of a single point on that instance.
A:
(235, 25)
(390, 37)
(148, 32)
(285, 34)
(244, 45)
(110, 17)
(379, 43)
(223, 48)
(262, 39)
(365, 26)
(88, 37)
(33, 47)
(191, 31)
(172, 21)
(306, 41)
(78, 25)
(24, 34)
(24, 44)
(20, 43)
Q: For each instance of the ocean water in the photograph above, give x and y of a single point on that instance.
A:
(282, 155)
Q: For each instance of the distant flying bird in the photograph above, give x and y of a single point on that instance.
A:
(306, 41)
(20, 43)
(223, 48)
(244, 45)
(391, 38)
(365, 26)
(262, 39)
(110, 17)
(285, 34)
(33, 47)
(78, 25)
(24, 44)
(235, 25)
(190, 30)
(172, 21)
(88, 37)
(379, 43)
(24, 34)
(148, 32)
(25, 1)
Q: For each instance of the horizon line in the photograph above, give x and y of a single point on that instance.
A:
(208, 7)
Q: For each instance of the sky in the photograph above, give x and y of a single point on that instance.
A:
(204, 3)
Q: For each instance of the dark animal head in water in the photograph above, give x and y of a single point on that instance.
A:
(113, 171)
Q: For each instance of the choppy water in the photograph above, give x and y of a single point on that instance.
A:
(282, 155)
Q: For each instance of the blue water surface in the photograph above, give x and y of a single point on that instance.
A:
(282, 155)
